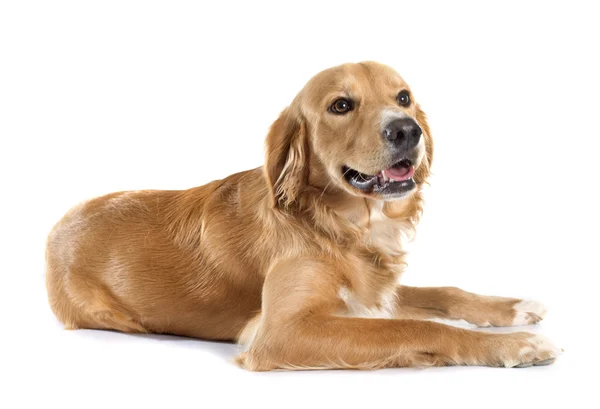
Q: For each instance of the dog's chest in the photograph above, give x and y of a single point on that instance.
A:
(375, 280)
(382, 307)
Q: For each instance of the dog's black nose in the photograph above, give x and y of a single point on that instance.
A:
(403, 131)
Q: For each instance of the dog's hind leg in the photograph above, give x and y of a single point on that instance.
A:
(86, 304)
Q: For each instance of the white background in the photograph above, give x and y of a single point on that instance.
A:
(116, 95)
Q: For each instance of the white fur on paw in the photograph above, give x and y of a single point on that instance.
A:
(528, 312)
(537, 350)
(540, 349)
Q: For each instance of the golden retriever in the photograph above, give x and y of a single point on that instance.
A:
(299, 260)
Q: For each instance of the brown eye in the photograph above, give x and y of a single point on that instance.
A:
(403, 98)
(341, 106)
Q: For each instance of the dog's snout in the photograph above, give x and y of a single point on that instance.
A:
(403, 131)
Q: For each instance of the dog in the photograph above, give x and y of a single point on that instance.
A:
(298, 260)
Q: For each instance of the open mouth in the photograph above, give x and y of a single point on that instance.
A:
(393, 181)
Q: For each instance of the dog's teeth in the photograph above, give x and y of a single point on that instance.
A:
(385, 177)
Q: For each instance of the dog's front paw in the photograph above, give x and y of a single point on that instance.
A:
(531, 350)
(516, 350)
(490, 311)
(528, 312)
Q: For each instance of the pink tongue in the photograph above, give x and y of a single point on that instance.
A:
(400, 173)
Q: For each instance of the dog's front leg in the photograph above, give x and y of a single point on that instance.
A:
(455, 304)
(301, 327)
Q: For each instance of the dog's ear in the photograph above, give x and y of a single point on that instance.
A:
(423, 172)
(286, 167)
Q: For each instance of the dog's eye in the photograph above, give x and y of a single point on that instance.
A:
(341, 106)
(403, 98)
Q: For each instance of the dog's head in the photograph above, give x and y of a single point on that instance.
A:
(354, 127)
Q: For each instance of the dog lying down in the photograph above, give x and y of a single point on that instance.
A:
(299, 260)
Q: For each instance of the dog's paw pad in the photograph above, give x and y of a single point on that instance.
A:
(545, 362)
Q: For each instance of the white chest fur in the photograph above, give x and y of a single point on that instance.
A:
(356, 308)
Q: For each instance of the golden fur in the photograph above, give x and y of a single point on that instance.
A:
(287, 258)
